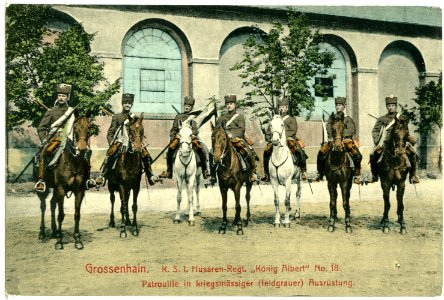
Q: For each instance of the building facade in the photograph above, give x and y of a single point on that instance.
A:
(163, 53)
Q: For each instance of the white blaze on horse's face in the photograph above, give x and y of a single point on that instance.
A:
(278, 131)
(185, 140)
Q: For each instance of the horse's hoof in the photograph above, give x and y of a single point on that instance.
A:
(331, 228)
(246, 223)
(42, 236)
(79, 245)
(112, 224)
(58, 246)
(277, 225)
(123, 233)
(385, 230)
(403, 230)
(175, 221)
(240, 231)
(348, 229)
(135, 232)
(223, 230)
(198, 213)
(191, 223)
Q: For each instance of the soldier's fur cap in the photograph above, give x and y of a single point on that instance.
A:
(230, 99)
(128, 98)
(283, 102)
(63, 88)
(391, 100)
(340, 100)
(188, 100)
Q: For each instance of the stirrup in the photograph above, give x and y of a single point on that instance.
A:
(414, 179)
(304, 175)
(253, 177)
(37, 188)
(90, 183)
(166, 174)
(100, 181)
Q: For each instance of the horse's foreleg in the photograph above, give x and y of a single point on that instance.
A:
(386, 195)
(42, 232)
(297, 213)
(248, 186)
(190, 194)
(223, 193)
(179, 199)
(112, 198)
(127, 198)
(237, 218)
(333, 210)
(53, 204)
(400, 211)
(78, 204)
(345, 189)
(60, 196)
(123, 209)
(197, 189)
(287, 221)
(277, 213)
(134, 207)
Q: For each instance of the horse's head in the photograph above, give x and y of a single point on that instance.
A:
(81, 133)
(185, 136)
(337, 128)
(277, 129)
(136, 133)
(220, 142)
(399, 135)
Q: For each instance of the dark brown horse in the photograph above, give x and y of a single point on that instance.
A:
(126, 176)
(338, 172)
(230, 176)
(68, 175)
(393, 170)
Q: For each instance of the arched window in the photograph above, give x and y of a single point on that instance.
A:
(153, 71)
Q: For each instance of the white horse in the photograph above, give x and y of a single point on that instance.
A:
(283, 171)
(187, 173)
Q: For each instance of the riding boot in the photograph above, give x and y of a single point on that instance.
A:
(40, 186)
(357, 163)
(320, 167)
(213, 178)
(413, 177)
(90, 183)
(148, 171)
(203, 162)
(252, 161)
(303, 164)
(169, 160)
(266, 159)
(374, 157)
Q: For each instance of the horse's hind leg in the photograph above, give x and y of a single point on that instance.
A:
(400, 210)
(112, 198)
(237, 218)
(78, 204)
(42, 232)
(345, 189)
(277, 213)
(60, 196)
(333, 209)
(53, 205)
(190, 193)
(197, 189)
(287, 221)
(179, 200)
(297, 213)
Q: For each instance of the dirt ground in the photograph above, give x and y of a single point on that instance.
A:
(178, 259)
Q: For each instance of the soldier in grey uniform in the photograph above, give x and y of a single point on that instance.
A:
(349, 143)
(174, 139)
(63, 92)
(382, 122)
(235, 127)
(116, 123)
(294, 143)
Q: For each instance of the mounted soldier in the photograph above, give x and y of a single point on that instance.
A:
(295, 144)
(51, 127)
(383, 123)
(198, 145)
(347, 140)
(116, 133)
(234, 124)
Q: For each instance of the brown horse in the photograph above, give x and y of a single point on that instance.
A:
(126, 176)
(230, 176)
(393, 169)
(338, 172)
(68, 175)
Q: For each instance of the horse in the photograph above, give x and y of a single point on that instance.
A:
(283, 171)
(393, 170)
(68, 175)
(187, 173)
(126, 176)
(231, 176)
(338, 172)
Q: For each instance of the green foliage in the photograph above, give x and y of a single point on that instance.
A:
(428, 112)
(33, 68)
(281, 63)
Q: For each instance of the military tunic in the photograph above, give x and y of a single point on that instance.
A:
(48, 119)
(237, 127)
(116, 121)
(349, 129)
(180, 118)
(382, 121)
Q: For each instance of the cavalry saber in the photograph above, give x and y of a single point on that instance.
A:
(414, 185)
(309, 184)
